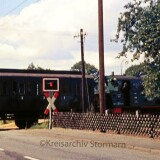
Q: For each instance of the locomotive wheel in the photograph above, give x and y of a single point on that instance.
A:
(22, 124)
(23, 121)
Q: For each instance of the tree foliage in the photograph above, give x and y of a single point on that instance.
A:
(90, 69)
(139, 32)
(135, 70)
(31, 66)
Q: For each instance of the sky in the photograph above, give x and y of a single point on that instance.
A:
(42, 32)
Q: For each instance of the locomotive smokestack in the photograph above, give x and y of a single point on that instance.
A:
(112, 73)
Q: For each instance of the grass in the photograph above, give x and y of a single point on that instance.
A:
(40, 125)
(7, 122)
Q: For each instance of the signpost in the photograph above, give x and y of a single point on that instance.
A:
(50, 89)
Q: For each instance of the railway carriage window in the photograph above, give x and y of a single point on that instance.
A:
(3, 88)
(136, 85)
(66, 86)
(34, 88)
(70, 87)
(63, 89)
(22, 88)
(119, 85)
(0, 88)
(28, 88)
(77, 88)
(14, 89)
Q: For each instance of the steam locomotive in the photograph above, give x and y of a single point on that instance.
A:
(125, 94)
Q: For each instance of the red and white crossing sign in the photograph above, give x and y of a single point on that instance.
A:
(51, 99)
(50, 84)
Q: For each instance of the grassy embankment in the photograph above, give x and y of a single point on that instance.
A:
(42, 124)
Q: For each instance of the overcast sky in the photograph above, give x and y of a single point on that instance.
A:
(42, 32)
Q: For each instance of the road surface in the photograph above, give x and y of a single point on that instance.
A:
(49, 145)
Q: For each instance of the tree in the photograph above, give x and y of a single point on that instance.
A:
(31, 66)
(90, 69)
(139, 32)
(135, 70)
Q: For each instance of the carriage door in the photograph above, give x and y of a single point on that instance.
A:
(126, 93)
(14, 95)
(4, 95)
(21, 93)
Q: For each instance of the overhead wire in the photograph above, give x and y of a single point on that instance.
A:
(51, 32)
(13, 9)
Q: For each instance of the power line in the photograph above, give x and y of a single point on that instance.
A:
(15, 7)
(30, 31)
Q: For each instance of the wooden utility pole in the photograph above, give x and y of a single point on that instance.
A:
(101, 57)
(82, 36)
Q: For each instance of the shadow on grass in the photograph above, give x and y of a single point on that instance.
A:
(42, 125)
